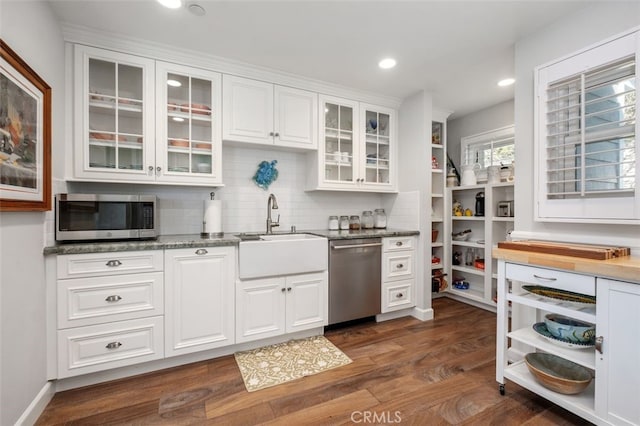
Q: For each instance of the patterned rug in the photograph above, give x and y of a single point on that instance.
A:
(275, 364)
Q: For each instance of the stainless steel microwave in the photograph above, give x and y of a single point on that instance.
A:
(82, 217)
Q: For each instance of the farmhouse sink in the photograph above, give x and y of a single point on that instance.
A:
(281, 254)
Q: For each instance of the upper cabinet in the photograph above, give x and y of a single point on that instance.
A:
(132, 126)
(357, 149)
(187, 120)
(266, 114)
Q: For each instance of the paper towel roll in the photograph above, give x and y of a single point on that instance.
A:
(212, 222)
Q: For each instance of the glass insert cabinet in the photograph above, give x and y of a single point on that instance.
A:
(142, 120)
(356, 149)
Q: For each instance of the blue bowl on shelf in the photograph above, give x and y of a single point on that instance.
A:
(569, 329)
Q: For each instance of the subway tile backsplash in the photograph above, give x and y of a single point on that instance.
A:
(245, 204)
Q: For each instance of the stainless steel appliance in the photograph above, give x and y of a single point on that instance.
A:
(354, 279)
(105, 217)
(505, 208)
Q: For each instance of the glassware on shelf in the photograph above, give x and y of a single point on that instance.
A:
(367, 219)
(380, 219)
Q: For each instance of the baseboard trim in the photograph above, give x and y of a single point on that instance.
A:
(37, 406)
(422, 314)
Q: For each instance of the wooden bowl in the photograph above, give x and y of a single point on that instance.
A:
(203, 146)
(558, 374)
(182, 143)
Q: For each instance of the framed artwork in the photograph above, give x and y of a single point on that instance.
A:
(25, 136)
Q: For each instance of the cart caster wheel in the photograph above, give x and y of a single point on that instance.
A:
(501, 388)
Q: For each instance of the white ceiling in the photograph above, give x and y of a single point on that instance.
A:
(456, 50)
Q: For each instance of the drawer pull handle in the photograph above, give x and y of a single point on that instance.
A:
(113, 345)
(544, 278)
(399, 243)
(113, 298)
(113, 263)
(599, 342)
(399, 266)
(399, 296)
(200, 252)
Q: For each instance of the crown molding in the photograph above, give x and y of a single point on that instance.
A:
(157, 51)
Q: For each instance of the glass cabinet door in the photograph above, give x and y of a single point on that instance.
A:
(188, 142)
(377, 146)
(340, 142)
(189, 132)
(115, 102)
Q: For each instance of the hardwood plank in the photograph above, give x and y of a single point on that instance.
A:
(436, 372)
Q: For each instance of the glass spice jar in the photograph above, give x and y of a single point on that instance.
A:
(380, 219)
(344, 222)
(334, 225)
(367, 219)
(354, 223)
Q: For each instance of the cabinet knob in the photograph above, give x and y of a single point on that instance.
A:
(288, 288)
(201, 252)
(399, 266)
(399, 295)
(158, 170)
(271, 134)
(113, 298)
(277, 135)
(599, 342)
(283, 289)
(113, 345)
(399, 244)
(150, 168)
(113, 263)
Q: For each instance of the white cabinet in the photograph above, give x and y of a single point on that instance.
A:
(398, 273)
(357, 150)
(618, 376)
(263, 113)
(611, 398)
(199, 299)
(268, 307)
(109, 312)
(131, 126)
(189, 102)
(470, 258)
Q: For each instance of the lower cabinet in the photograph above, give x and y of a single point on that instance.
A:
(199, 299)
(268, 307)
(398, 273)
(617, 373)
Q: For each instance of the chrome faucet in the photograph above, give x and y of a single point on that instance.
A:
(272, 204)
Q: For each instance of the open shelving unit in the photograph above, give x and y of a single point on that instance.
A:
(438, 149)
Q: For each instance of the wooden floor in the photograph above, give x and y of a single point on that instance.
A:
(403, 372)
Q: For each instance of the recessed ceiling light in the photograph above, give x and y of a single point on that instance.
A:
(506, 82)
(387, 63)
(171, 4)
(174, 83)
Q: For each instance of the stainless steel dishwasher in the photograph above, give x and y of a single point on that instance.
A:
(354, 279)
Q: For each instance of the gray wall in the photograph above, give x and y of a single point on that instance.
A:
(31, 30)
(494, 117)
(571, 34)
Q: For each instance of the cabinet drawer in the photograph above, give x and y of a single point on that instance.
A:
(397, 295)
(88, 301)
(396, 266)
(100, 347)
(569, 281)
(398, 243)
(113, 263)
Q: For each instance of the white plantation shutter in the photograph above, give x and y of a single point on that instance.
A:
(586, 142)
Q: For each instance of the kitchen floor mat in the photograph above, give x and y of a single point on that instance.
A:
(275, 364)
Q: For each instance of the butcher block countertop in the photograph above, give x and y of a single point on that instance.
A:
(625, 268)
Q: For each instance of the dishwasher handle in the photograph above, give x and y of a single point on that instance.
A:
(352, 246)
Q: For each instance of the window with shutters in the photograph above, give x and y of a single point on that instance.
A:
(492, 148)
(586, 144)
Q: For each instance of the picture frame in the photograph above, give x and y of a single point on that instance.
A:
(25, 136)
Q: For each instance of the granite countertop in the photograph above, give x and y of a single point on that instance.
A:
(194, 240)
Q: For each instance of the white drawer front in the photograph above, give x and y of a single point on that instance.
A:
(100, 347)
(398, 243)
(569, 281)
(398, 295)
(99, 264)
(397, 266)
(88, 301)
